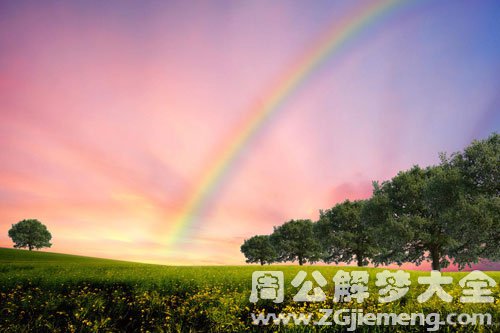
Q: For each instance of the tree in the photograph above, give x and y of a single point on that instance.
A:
(478, 230)
(479, 167)
(295, 240)
(427, 218)
(390, 235)
(420, 201)
(31, 234)
(258, 249)
(344, 235)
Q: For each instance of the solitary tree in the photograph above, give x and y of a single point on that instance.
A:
(344, 235)
(258, 249)
(31, 234)
(295, 240)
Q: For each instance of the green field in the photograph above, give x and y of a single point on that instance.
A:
(48, 292)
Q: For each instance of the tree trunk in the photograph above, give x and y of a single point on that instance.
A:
(359, 258)
(30, 247)
(435, 260)
(301, 261)
(261, 262)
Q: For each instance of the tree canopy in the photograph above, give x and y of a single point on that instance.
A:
(295, 241)
(344, 235)
(258, 249)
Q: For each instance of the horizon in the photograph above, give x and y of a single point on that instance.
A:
(111, 116)
(483, 265)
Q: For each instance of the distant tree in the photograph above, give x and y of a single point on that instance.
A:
(344, 235)
(258, 249)
(31, 234)
(295, 241)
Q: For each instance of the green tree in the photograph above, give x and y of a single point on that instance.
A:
(295, 241)
(425, 215)
(479, 167)
(258, 249)
(31, 234)
(344, 235)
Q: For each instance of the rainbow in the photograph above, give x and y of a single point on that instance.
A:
(330, 45)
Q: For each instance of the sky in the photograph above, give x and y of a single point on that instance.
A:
(111, 113)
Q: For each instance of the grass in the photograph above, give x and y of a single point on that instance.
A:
(49, 292)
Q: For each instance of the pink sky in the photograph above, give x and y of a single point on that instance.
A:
(110, 113)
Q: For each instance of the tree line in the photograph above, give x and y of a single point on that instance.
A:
(446, 213)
